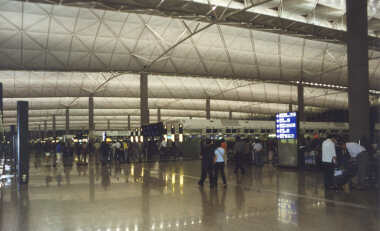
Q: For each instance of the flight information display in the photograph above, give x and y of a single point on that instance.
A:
(153, 130)
(286, 125)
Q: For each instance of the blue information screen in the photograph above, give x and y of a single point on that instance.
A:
(286, 125)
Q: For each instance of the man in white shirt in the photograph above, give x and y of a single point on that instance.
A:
(328, 161)
(329, 151)
(258, 147)
(354, 149)
(258, 150)
(359, 153)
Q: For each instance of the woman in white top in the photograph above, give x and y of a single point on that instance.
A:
(219, 164)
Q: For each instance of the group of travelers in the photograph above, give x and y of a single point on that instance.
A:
(120, 151)
(346, 163)
(214, 157)
(116, 151)
(247, 150)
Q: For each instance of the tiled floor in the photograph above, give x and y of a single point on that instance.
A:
(166, 196)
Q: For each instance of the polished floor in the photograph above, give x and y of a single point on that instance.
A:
(166, 196)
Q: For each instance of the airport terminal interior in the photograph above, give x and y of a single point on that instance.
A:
(132, 115)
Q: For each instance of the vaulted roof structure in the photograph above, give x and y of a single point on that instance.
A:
(247, 56)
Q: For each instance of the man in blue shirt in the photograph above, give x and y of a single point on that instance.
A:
(219, 163)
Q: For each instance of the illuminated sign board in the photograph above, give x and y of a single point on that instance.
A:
(286, 125)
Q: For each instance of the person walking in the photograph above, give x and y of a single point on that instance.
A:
(207, 156)
(225, 147)
(104, 152)
(125, 151)
(328, 161)
(219, 164)
(239, 152)
(258, 152)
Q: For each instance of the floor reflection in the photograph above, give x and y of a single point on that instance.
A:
(65, 194)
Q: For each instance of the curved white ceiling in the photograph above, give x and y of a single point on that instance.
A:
(21, 84)
(52, 37)
(56, 56)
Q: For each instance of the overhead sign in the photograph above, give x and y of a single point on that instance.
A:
(153, 130)
(112, 133)
(286, 125)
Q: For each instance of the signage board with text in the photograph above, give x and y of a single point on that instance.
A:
(286, 125)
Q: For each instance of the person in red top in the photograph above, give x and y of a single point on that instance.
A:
(224, 145)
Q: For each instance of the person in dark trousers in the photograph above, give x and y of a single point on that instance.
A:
(360, 154)
(219, 164)
(104, 150)
(207, 154)
(239, 152)
(329, 161)
(258, 150)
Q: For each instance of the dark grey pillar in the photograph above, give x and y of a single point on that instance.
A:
(54, 128)
(301, 108)
(129, 122)
(22, 142)
(67, 116)
(290, 107)
(13, 139)
(144, 108)
(1, 101)
(159, 115)
(91, 137)
(108, 125)
(39, 131)
(357, 57)
(45, 129)
(208, 108)
(230, 115)
(2, 135)
(91, 125)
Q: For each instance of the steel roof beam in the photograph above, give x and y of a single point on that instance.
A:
(197, 10)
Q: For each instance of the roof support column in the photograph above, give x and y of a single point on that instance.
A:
(158, 115)
(129, 122)
(39, 131)
(357, 57)
(22, 142)
(45, 129)
(54, 130)
(67, 116)
(91, 125)
(208, 108)
(1, 103)
(108, 125)
(301, 108)
(230, 116)
(144, 108)
(13, 136)
(290, 107)
(91, 137)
